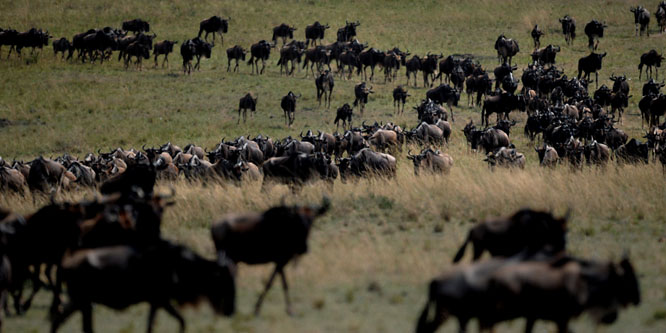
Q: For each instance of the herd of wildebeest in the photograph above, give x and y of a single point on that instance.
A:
(114, 239)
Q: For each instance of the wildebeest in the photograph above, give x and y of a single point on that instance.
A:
(283, 31)
(136, 26)
(597, 153)
(501, 105)
(318, 56)
(545, 56)
(548, 156)
(194, 48)
(235, 53)
(361, 91)
(660, 15)
(506, 49)
(325, 83)
(11, 180)
(260, 51)
(164, 47)
(383, 139)
(650, 59)
(157, 276)
(277, 235)
(633, 152)
(506, 157)
(526, 230)
(432, 161)
(138, 50)
(413, 65)
(536, 36)
(48, 176)
(249, 101)
(348, 32)
(214, 24)
(594, 31)
(344, 113)
(62, 45)
(444, 94)
(568, 29)
(399, 98)
(314, 32)
(368, 163)
(641, 19)
(288, 105)
(590, 64)
(371, 58)
(141, 38)
(289, 54)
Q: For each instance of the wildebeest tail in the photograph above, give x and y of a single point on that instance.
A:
(461, 251)
(279, 61)
(640, 66)
(425, 323)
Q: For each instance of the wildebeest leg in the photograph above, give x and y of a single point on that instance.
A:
(36, 285)
(60, 318)
(477, 248)
(57, 288)
(462, 324)
(166, 59)
(425, 324)
(156, 61)
(257, 307)
(529, 325)
(86, 313)
(239, 116)
(174, 313)
(562, 326)
(285, 288)
(596, 79)
(263, 66)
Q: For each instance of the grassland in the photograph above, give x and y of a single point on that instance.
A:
(372, 255)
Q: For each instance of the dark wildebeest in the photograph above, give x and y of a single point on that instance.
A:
(194, 48)
(526, 230)
(660, 15)
(548, 156)
(652, 87)
(413, 65)
(371, 57)
(657, 109)
(446, 67)
(62, 45)
(137, 50)
(431, 160)
(594, 31)
(556, 289)
(506, 49)
(641, 19)
(590, 64)
(348, 32)
(367, 163)
(277, 235)
(136, 26)
(361, 91)
(48, 176)
(121, 276)
(428, 67)
(536, 36)
(288, 105)
(481, 84)
(633, 152)
(568, 29)
(344, 113)
(314, 32)
(545, 56)
(620, 84)
(8, 37)
(247, 102)
(444, 94)
(399, 98)
(289, 54)
(325, 83)
(283, 31)
(235, 53)
(317, 56)
(142, 38)
(214, 24)
(650, 59)
(260, 51)
(503, 71)
(164, 47)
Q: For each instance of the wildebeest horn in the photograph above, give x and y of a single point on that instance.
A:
(143, 147)
(99, 151)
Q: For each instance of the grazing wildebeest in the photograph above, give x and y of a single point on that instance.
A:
(325, 83)
(506, 158)
(506, 49)
(361, 91)
(526, 230)
(399, 98)
(590, 64)
(568, 29)
(164, 47)
(61, 45)
(283, 31)
(121, 276)
(444, 94)
(348, 32)
(432, 161)
(214, 24)
(235, 53)
(660, 15)
(594, 31)
(288, 105)
(277, 235)
(650, 59)
(260, 51)
(344, 113)
(314, 32)
(641, 19)
(536, 36)
(289, 54)
(247, 102)
(136, 26)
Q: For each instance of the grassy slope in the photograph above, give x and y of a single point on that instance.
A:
(397, 235)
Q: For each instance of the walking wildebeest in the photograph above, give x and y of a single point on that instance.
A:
(283, 31)
(164, 47)
(277, 235)
(325, 83)
(660, 15)
(214, 24)
(247, 102)
(590, 64)
(137, 50)
(348, 32)
(428, 67)
(260, 51)
(344, 113)
(568, 29)
(399, 98)
(289, 54)
(506, 49)
(371, 57)
(288, 105)
(536, 36)
(641, 19)
(62, 45)
(650, 59)
(314, 32)
(361, 91)
(594, 31)
(136, 26)
(194, 48)
(235, 53)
